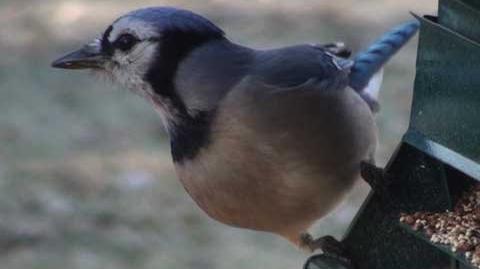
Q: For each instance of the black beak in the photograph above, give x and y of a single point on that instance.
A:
(88, 57)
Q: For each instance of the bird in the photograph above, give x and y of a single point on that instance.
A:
(264, 139)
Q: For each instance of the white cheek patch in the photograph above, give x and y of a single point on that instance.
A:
(129, 68)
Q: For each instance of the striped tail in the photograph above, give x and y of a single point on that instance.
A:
(370, 62)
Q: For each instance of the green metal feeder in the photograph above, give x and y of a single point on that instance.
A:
(439, 156)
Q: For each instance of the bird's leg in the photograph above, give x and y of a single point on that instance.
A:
(374, 176)
(326, 243)
(330, 247)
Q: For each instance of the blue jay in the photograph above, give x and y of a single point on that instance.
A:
(269, 140)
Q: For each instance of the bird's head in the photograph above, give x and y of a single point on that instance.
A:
(142, 51)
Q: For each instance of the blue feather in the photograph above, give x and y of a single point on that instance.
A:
(369, 62)
(174, 19)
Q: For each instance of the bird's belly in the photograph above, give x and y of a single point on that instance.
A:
(279, 170)
(263, 199)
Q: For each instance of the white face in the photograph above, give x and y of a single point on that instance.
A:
(134, 46)
(129, 66)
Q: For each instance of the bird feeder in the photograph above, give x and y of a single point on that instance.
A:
(438, 158)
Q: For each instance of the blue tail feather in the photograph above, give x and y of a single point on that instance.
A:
(369, 62)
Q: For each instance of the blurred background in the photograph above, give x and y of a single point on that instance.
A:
(86, 179)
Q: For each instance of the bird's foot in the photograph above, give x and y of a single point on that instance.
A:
(333, 251)
(374, 176)
(326, 262)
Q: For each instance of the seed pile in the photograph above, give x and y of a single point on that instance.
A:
(460, 228)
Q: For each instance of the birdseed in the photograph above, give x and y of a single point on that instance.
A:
(459, 229)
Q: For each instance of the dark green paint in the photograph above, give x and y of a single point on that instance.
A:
(460, 16)
(446, 103)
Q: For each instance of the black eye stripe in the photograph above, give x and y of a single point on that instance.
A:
(105, 43)
(125, 42)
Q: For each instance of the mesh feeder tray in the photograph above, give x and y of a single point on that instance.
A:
(456, 231)
(438, 159)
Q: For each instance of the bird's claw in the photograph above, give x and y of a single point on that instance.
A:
(324, 261)
(374, 176)
(333, 252)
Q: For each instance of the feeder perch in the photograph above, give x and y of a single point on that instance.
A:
(438, 158)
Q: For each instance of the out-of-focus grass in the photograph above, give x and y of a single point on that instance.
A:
(85, 174)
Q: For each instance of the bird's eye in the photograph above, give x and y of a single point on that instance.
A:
(125, 42)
